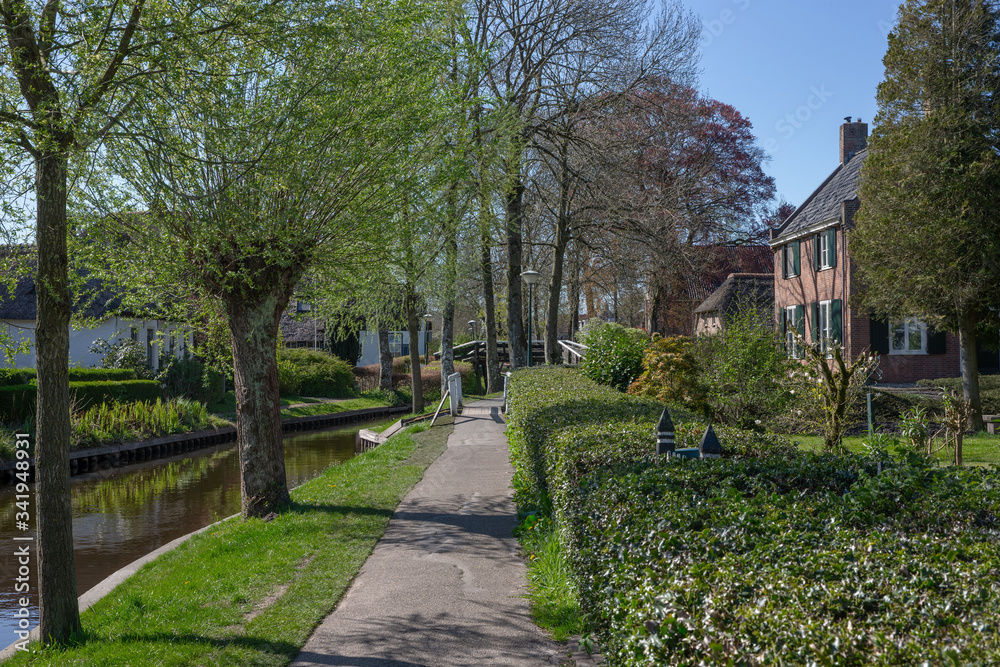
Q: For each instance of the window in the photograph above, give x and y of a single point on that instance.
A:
(794, 322)
(825, 329)
(135, 334)
(826, 249)
(827, 323)
(791, 261)
(908, 336)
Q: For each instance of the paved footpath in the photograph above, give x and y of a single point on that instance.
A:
(444, 587)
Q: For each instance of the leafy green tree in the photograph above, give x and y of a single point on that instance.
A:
(928, 233)
(281, 156)
(71, 72)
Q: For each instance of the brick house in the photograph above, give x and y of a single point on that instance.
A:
(814, 280)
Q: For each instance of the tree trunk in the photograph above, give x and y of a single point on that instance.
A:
(447, 344)
(450, 282)
(574, 293)
(384, 359)
(58, 613)
(552, 350)
(970, 373)
(413, 325)
(493, 383)
(253, 323)
(656, 300)
(515, 322)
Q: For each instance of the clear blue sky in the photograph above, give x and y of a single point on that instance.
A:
(795, 68)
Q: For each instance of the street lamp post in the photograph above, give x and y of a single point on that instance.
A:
(530, 277)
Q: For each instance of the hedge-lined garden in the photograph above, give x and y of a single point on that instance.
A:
(766, 556)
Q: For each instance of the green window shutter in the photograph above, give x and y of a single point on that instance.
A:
(784, 261)
(797, 257)
(817, 258)
(836, 320)
(800, 320)
(878, 331)
(784, 323)
(833, 246)
(814, 336)
(936, 341)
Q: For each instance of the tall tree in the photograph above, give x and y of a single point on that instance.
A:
(683, 174)
(538, 46)
(284, 160)
(927, 234)
(70, 72)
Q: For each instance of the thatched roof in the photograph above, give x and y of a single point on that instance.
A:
(301, 331)
(740, 289)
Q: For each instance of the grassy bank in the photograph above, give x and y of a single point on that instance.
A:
(979, 449)
(250, 593)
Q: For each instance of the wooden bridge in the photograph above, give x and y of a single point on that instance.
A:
(474, 352)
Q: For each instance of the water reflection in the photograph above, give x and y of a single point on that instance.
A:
(121, 514)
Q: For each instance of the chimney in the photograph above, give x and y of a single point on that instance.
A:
(853, 138)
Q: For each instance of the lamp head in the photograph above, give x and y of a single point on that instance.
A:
(531, 277)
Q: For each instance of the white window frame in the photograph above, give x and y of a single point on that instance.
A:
(824, 250)
(904, 323)
(825, 325)
(789, 258)
(794, 350)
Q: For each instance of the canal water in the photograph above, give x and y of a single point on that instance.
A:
(121, 514)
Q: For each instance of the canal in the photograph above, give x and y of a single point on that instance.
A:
(121, 514)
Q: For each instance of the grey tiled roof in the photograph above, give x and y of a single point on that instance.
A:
(824, 203)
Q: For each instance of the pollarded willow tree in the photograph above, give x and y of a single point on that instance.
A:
(70, 71)
(281, 156)
(928, 231)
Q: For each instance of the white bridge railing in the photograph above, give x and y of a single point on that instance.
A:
(573, 352)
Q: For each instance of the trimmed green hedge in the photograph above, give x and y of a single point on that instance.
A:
(314, 373)
(814, 559)
(90, 394)
(11, 377)
(17, 403)
(766, 556)
(16, 376)
(102, 374)
(558, 419)
(541, 402)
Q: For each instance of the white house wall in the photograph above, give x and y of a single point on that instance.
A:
(113, 329)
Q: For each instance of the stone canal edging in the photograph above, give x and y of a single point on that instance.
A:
(113, 456)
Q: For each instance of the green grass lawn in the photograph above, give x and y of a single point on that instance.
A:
(226, 409)
(249, 593)
(981, 449)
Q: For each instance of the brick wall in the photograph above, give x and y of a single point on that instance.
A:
(838, 283)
